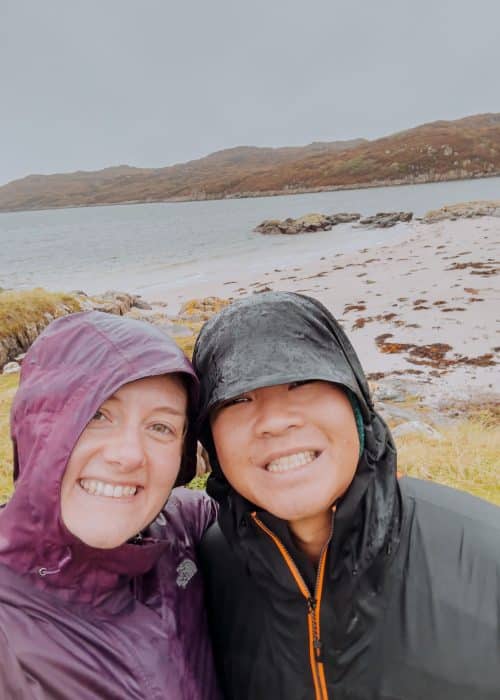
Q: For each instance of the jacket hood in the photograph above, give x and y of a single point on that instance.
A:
(70, 370)
(276, 338)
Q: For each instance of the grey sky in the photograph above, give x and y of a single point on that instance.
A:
(88, 84)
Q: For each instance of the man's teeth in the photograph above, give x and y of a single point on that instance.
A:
(101, 488)
(283, 464)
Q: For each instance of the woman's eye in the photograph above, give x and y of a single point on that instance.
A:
(98, 417)
(162, 429)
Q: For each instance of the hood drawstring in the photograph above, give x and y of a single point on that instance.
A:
(43, 571)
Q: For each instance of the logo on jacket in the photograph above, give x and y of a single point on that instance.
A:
(185, 572)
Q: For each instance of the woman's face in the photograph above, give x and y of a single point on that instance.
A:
(291, 449)
(125, 463)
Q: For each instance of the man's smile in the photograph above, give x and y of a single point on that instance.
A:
(291, 461)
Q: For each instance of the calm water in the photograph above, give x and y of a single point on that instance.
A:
(136, 247)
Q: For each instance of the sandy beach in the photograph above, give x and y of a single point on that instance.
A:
(424, 308)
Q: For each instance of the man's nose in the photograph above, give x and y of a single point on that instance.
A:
(125, 449)
(275, 416)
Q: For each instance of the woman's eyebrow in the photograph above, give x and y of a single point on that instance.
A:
(169, 409)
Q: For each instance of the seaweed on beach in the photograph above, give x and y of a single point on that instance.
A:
(431, 355)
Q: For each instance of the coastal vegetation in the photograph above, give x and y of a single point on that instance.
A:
(442, 150)
(23, 314)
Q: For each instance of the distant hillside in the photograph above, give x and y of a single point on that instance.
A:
(442, 150)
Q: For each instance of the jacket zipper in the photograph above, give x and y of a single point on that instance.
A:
(313, 606)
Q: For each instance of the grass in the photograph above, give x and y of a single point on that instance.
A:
(8, 386)
(17, 309)
(23, 314)
(466, 458)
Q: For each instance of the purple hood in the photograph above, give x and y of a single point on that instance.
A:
(78, 623)
(70, 370)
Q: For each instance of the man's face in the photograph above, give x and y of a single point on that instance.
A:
(125, 463)
(292, 449)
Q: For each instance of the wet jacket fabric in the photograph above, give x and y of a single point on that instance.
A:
(79, 623)
(405, 602)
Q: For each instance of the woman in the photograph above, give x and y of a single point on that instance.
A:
(327, 577)
(100, 597)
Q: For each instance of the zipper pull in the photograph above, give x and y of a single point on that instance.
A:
(318, 649)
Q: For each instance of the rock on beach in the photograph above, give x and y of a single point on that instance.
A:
(305, 224)
(324, 222)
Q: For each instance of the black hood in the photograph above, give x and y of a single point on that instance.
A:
(276, 338)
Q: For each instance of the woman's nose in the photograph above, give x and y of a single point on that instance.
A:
(125, 449)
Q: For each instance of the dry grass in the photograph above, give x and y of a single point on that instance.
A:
(186, 343)
(18, 309)
(467, 457)
(8, 386)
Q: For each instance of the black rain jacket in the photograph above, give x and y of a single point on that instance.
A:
(405, 602)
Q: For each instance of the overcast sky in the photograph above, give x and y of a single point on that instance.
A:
(86, 84)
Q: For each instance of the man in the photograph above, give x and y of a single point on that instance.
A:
(328, 577)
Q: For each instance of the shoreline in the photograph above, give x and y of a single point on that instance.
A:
(266, 193)
(423, 310)
(419, 301)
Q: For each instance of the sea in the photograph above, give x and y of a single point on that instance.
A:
(143, 247)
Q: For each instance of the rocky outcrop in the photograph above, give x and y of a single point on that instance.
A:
(465, 210)
(387, 219)
(305, 224)
(113, 302)
(196, 310)
(324, 222)
(16, 338)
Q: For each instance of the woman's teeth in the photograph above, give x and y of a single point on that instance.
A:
(101, 488)
(284, 464)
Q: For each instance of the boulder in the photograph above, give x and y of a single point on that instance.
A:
(139, 303)
(465, 210)
(11, 368)
(387, 219)
(201, 309)
(306, 224)
(390, 391)
(343, 218)
(416, 426)
(119, 303)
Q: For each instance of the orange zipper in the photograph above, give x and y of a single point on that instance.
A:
(313, 607)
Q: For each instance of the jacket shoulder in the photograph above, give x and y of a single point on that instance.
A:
(427, 494)
(189, 512)
(449, 519)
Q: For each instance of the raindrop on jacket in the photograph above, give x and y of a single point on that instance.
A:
(404, 604)
(79, 623)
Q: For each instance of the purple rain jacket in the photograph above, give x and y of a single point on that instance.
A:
(78, 623)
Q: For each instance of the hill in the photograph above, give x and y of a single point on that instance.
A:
(441, 150)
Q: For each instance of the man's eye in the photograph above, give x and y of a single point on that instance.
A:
(302, 382)
(235, 401)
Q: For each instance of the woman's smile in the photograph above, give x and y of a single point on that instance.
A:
(95, 487)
